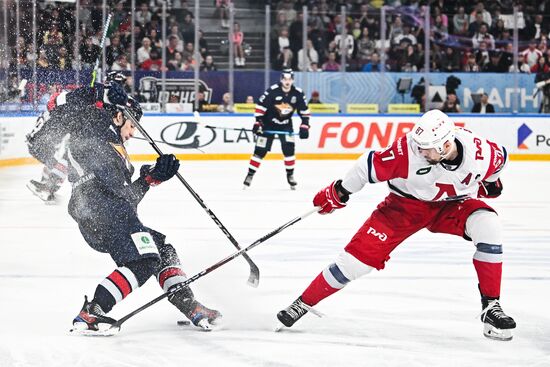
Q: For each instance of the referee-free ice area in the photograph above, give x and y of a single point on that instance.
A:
(420, 311)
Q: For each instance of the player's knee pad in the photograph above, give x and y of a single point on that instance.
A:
(351, 266)
(288, 148)
(344, 270)
(260, 152)
(170, 272)
(483, 226)
(144, 268)
(485, 230)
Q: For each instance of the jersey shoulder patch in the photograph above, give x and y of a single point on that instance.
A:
(274, 86)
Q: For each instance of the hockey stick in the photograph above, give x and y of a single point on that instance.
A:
(219, 127)
(273, 132)
(101, 45)
(162, 142)
(211, 268)
(254, 277)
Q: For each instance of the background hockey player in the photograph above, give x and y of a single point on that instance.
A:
(274, 113)
(47, 142)
(104, 204)
(435, 174)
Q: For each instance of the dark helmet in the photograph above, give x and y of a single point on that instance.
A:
(287, 73)
(133, 109)
(115, 76)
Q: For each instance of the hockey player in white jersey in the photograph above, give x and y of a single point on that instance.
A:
(435, 174)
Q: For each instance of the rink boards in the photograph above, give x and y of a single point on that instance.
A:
(215, 136)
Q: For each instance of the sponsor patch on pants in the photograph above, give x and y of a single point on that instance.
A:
(144, 243)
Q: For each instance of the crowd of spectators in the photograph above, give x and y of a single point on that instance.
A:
(464, 36)
(56, 31)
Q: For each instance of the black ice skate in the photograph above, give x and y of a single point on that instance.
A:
(291, 181)
(248, 180)
(42, 191)
(497, 325)
(293, 313)
(200, 315)
(92, 321)
(203, 316)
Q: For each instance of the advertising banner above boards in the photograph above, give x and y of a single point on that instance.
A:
(331, 137)
(506, 92)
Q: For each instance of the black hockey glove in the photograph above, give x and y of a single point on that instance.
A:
(489, 190)
(304, 131)
(257, 129)
(112, 93)
(166, 167)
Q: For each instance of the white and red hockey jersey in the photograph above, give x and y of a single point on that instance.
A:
(409, 174)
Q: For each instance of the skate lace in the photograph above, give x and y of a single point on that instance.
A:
(297, 309)
(494, 308)
(95, 309)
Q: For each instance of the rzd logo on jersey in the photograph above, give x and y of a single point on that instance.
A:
(381, 236)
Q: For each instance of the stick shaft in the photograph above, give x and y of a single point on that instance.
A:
(215, 266)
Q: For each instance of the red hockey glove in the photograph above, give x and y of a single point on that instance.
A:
(332, 197)
(489, 190)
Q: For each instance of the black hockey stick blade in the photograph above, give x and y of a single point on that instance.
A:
(254, 277)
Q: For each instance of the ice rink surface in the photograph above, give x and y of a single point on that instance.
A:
(420, 311)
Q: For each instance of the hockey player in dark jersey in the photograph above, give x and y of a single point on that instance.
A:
(104, 203)
(47, 142)
(274, 114)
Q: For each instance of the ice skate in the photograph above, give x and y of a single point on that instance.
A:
(91, 321)
(202, 316)
(496, 324)
(291, 181)
(247, 181)
(42, 191)
(294, 312)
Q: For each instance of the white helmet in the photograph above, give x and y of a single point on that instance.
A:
(433, 130)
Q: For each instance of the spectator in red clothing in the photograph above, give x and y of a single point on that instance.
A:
(237, 41)
(541, 66)
(154, 63)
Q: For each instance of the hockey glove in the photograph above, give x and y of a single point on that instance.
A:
(489, 190)
(332, 197)
(257, 129)
(112, 93)
(304, 131)
(166, 167)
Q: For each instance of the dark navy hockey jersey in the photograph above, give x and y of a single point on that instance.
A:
(275, 108)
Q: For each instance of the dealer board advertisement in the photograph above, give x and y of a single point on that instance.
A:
(218, 136)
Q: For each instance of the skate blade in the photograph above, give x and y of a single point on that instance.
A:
(293, 188)
(279, 327)
(492, 332)
(44, 196)
(105, 330)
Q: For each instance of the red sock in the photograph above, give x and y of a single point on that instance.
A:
(489, 276)
(318, 290)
